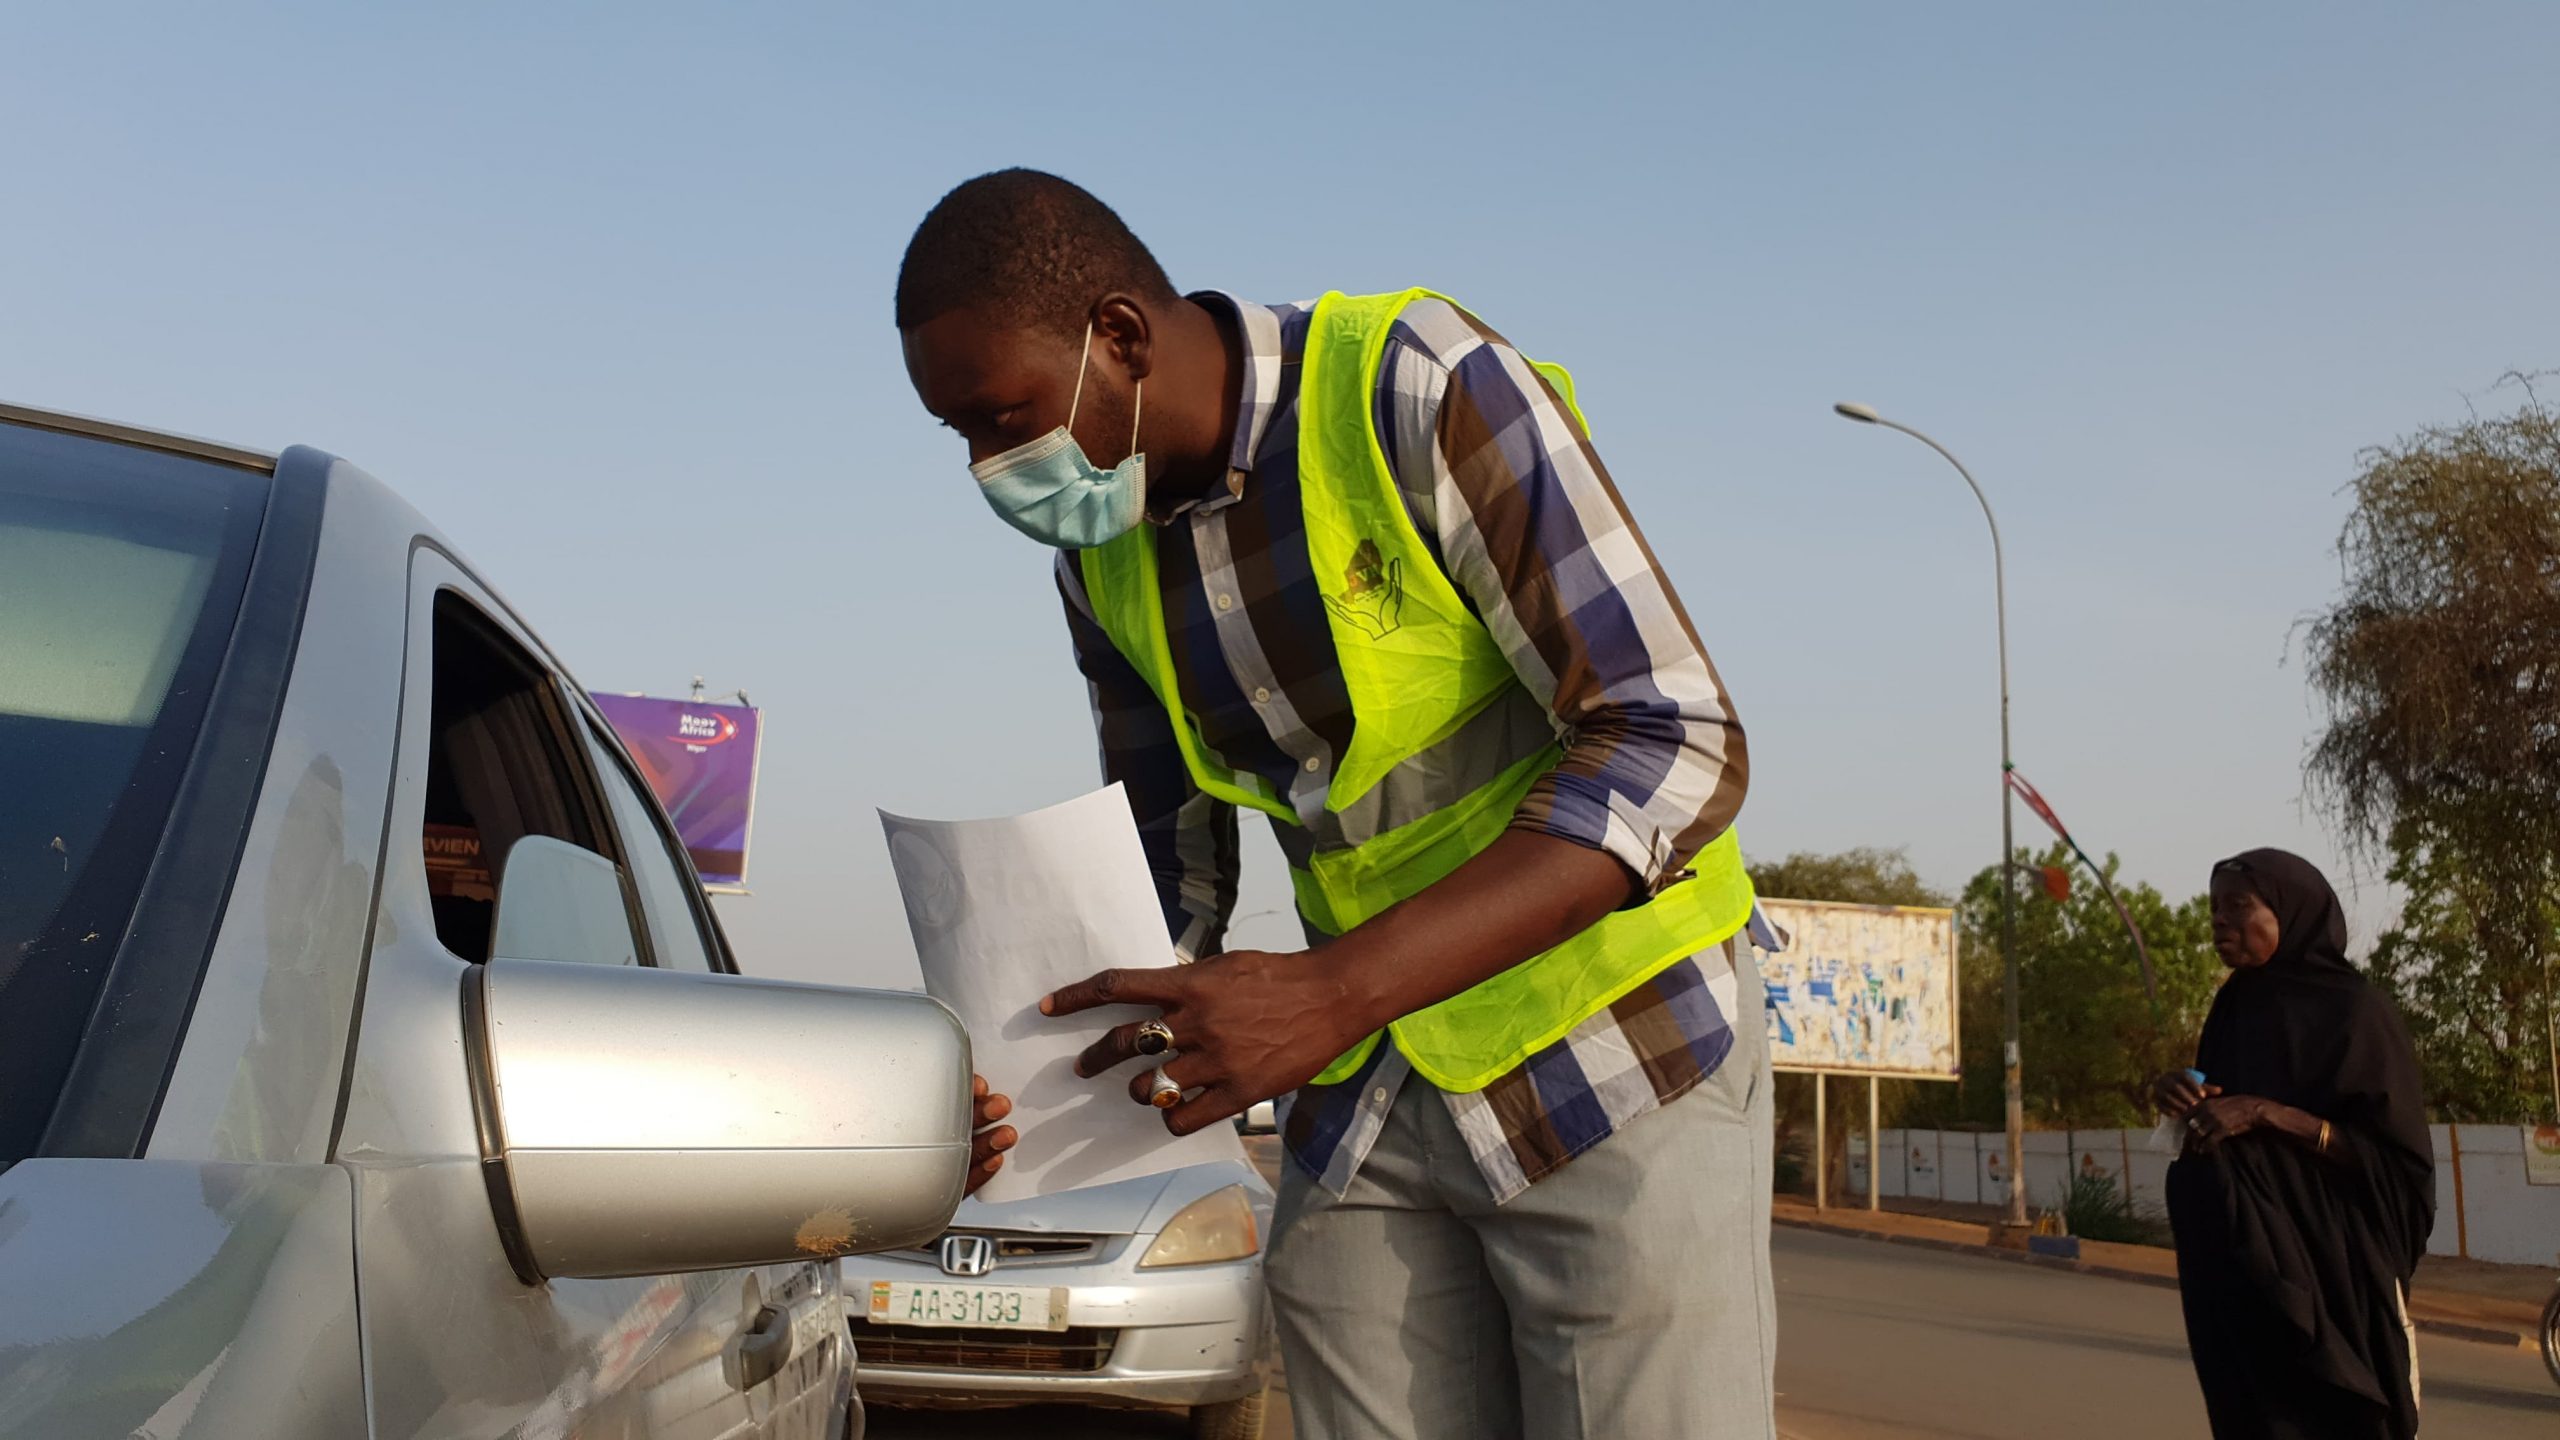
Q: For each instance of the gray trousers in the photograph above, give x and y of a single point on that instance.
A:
(1626, 1295)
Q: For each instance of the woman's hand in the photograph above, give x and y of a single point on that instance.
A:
(988, 1141)
(1247, 1026)
(2177, 1092)
(2224, 1117)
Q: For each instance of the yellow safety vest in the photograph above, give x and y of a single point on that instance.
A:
(1414, 675)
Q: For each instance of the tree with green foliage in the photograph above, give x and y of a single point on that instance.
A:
(1865, 876)
(2466, 964)
(2439, 669)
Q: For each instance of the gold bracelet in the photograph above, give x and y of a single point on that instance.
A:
(2324, 1137)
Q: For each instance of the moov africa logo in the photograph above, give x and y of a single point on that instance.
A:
(701, 732)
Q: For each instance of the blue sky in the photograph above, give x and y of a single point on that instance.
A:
(605, 290)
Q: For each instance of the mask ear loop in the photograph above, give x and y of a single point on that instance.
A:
(1084, 358)
(1137, 398)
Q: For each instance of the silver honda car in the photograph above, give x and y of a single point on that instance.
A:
(1146, 1291)
(303, 1137)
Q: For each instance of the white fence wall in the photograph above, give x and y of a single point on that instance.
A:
(2448, 1236)
(2501, 1217)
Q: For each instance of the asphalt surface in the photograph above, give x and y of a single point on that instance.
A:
(1890, 1342)
(1879, 1341)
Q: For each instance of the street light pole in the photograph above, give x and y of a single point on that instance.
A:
(2015, 1094)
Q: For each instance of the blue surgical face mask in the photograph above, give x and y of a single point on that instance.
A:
(1048, 490)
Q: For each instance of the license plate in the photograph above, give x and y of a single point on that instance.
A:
(976, 1307)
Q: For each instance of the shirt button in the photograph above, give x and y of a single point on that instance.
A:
(1314, 764)
(1261, 695)
(1378, 1096)
(1226, 602)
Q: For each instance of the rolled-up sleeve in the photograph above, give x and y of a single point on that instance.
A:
(1189, 836)
(1535, 534)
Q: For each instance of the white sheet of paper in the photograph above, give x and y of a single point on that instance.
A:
(1006, 911)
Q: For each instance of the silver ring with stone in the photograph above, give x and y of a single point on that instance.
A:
(1154, 1038)
(1163, 1093)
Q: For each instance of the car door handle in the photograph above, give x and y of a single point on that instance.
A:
(765, 1348)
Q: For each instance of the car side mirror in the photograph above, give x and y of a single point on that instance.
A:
(636, 1121)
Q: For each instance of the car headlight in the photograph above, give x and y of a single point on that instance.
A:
(1214, 1227)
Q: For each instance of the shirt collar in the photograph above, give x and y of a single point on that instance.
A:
(1257, 396)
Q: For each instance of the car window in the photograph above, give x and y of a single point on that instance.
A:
(121, 572)
(667, 889)
(503, 767)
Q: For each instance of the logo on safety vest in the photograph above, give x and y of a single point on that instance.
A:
(1372, 598)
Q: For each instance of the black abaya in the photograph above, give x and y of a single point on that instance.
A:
(2293, 1265)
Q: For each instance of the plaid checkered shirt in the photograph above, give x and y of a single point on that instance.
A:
(1504, 487)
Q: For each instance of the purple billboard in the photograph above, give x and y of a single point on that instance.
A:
(700, 758)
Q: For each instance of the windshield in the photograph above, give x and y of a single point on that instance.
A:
(120, 571)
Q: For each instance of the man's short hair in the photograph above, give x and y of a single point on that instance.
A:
(1029, 247)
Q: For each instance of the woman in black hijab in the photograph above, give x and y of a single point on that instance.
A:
(2307, 1188)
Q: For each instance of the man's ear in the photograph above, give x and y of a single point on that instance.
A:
(1127, 335)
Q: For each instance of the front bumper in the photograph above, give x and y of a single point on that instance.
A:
(1189, 1336)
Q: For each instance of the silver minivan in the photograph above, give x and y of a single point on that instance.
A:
(371, 1063)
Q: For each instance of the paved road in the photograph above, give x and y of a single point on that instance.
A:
(1879, 1341)
(1888, 1342)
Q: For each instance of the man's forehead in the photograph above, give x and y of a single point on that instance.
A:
(973, 347)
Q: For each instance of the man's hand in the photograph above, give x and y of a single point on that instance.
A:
(988, 1140)
(1250, 1025)
(1247, 1026)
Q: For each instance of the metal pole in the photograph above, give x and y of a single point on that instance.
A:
(1875, 1156)
(2461, 1211)
(2551, 1027)
(1821, 1150)
(2014, 1094)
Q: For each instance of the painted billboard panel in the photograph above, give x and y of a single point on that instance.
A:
(2542, 1154)
(700, 758)
(1861, 989)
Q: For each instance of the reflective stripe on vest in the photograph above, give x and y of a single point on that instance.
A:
(1417, 665)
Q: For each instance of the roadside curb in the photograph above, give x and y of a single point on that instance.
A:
(2476, 1334)
(2450, 1329)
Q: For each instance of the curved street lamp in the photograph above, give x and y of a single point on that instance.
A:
(2013, 1094)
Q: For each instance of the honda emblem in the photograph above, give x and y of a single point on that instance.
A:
(968, 1255)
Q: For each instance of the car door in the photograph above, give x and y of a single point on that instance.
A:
(492, 749)
(791, 1362)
